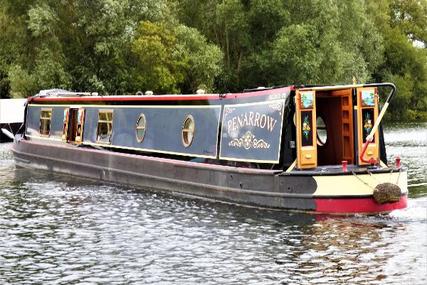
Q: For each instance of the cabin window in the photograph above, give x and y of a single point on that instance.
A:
(80, 123)
(188, 128)
(45, 119)
(105, 126)
(140, 128)
(322, 134)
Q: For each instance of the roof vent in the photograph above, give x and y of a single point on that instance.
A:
(201, 91)
(149, 93)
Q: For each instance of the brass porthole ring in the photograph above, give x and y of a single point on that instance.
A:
(141, 126)
(188, 130)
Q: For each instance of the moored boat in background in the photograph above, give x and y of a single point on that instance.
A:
(310, 148)
(11, 118)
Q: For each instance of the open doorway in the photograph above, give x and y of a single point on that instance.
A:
(335, 134)
(73, 125)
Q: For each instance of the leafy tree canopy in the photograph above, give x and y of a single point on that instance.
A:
(168, 46)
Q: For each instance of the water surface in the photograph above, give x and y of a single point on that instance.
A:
(59, 229)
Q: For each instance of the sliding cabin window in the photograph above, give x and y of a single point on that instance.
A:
(140, 128)
(105, 126)
(188, 129)
(45, 119)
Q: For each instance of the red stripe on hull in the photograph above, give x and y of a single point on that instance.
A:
(357, 205)
(190, 97)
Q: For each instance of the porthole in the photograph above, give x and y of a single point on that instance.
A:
(188, 128)
(322, 133)
(141, 125)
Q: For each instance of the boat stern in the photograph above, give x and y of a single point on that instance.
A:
(369, 193)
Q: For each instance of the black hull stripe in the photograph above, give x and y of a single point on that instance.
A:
(169, 180)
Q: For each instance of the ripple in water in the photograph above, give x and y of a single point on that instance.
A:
(62, 230)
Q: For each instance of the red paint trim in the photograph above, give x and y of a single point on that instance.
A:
(357, 205)
(126, 98)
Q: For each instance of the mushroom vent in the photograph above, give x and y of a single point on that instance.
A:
(387, 193)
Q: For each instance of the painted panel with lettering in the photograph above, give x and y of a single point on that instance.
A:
(252, 132)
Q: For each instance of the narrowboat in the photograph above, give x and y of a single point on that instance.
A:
(306, 148)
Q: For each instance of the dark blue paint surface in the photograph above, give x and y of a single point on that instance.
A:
(250, 132)
(163, 129)
(33, 121)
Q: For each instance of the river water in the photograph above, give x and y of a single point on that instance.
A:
(59, 229)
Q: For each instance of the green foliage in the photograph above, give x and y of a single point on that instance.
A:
(21, 82)
(410, 16)
(174, 58)
(80, 45)
(122, 46)
(403, 28)
(295, 49)
(4, 84)
(160, 66)
(203, 60)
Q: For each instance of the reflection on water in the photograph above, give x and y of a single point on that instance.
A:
(62, 230)
(410, 142)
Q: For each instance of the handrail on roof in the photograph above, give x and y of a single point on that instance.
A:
(344, 86)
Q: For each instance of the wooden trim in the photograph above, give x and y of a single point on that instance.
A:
(306, 155)
(110, 132)
(347, 127)
(65, 124)
(81, 112)
(373, 147)
(187, 130)
(49, 118)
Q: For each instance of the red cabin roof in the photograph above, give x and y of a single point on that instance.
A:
(181, 97)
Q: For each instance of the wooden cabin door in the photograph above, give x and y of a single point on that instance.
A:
(367, 113)
(65, 125)
(79, 125)
(73, 125)
(305, 121)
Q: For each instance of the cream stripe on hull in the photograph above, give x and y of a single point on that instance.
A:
(358, 184)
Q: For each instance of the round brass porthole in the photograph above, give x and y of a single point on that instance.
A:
(141, 125)
(188, 128)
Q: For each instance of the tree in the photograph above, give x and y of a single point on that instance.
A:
(272, 42)
(63, 43)
(4, 84)
(403, 28)
(174, 58)
(121, 46)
